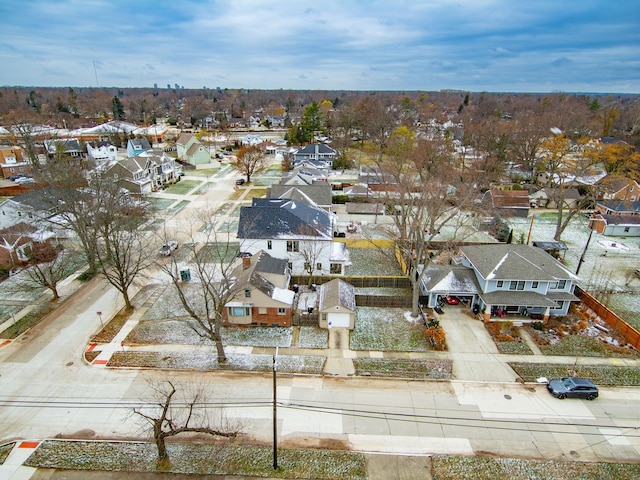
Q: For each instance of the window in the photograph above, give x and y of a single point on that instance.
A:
(534, 285)
(262, 310)
(292, 246)
(336, 269)
(239, 311)
(516, 285)
(499, 284)
(269, 244)
(289, 265)
(306, 266)
(12, 170)
(247, 292)
(553, 285)
(282, 311)
(318, 266)
(562, 284)
(626, 229)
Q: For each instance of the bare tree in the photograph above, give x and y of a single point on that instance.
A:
(311, 249)
(210, 264)
(178, 412)
(48, 265)
(427, 197)
(249, 160)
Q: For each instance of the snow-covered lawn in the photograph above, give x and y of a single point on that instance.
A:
(605, 266)
(387, 329)
(373, 261)
(313, 337)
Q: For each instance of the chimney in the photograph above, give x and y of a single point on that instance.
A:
(246, 262)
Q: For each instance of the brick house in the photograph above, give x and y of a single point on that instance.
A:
(12, 162)
(262, 295)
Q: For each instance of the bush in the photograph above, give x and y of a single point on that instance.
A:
(437, 337)
(538, 326)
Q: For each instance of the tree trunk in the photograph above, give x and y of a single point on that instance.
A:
(160, 445)
(222, 358)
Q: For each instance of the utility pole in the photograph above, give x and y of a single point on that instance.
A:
(584, 252)
(275, 417)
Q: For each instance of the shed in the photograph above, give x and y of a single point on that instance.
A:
(337, 305)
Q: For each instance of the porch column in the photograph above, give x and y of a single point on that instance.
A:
(486, 316)
(545, 317)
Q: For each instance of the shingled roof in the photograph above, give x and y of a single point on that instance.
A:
(281, 218)
(515, 262)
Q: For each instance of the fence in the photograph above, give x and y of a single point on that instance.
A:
(630, 334)
(358, 282)
(305, 319)
(383, 301)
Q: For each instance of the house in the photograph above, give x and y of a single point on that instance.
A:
(192, 151)
(136, 146)
(502, 279)
(68, 146)
(262, 295)
(133, 174)
(30, 208)
(615, 225)
(376, 180)
(507, 203)
(304, 175)
(102, 152)
(618, 187)
(13, 162)
(292, 230)
(618, 207)
(337, 305)
(317, 194)
(146, 172)
(321, 154)
(19, 242)
(548, 198)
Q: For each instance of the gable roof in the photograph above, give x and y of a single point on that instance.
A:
(315, 149)
(337, 293)
(515, 262)
(281, 218)
(450, 279)
(314, 194)
(263, 263)
(184, 138)
(509, 198)
(620, 205)
(139, 143)
(620, 219)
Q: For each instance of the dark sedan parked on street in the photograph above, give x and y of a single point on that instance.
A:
(573, 387)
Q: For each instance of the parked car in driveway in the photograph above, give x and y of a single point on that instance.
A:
(573, 387)
(452, 300)
(240, 181)
(167, 248)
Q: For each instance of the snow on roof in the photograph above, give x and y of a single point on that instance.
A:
(282, 295)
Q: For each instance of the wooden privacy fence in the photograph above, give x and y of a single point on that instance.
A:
(383, 301)
(630, 334)
(305, 319)
(358, 282)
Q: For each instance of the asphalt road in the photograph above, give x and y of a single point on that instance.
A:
(48, 390)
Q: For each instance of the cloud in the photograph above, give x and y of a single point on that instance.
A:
(359, 44)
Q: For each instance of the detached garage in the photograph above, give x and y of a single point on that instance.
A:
(337, 305)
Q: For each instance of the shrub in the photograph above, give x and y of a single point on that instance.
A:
(437, 337)
(538, 326)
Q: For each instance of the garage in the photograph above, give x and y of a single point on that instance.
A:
(339, 320)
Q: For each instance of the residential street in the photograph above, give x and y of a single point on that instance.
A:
(48, 390)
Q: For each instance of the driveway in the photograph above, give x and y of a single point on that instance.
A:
(473, 352)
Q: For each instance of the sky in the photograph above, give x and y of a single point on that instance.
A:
(398, 45)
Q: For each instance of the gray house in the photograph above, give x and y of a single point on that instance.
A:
(504, 279)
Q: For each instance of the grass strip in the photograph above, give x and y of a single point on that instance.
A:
(200, 459)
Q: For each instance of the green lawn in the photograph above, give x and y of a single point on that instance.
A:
(599, 374)
(182, 187)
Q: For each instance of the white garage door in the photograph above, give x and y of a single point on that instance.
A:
(338, 320)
